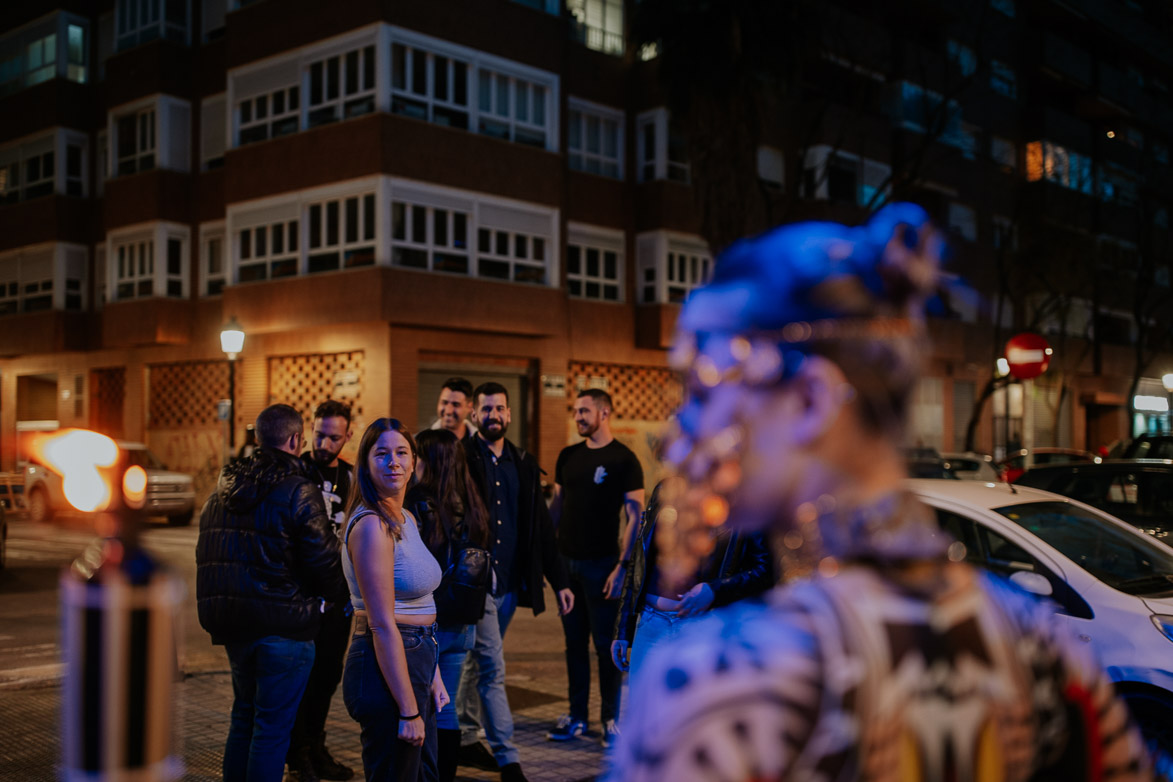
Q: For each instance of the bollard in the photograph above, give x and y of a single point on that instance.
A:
(118, 626)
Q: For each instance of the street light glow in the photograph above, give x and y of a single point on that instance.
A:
(1167, 381)
(76, 454)
(232, 338)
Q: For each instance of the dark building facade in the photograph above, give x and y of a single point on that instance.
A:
(384, 194)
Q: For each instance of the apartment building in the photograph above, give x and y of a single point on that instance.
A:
(385, 194)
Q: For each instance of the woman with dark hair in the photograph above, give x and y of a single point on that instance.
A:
(452, 518)
(884, 656)
(391, 684)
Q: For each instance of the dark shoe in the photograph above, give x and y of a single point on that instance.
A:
(566, 728)
(325, 765)
(610, 734)
(512, 773)
(477, 756)
(301, 768)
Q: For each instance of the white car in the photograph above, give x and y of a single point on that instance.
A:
(970, 466)
(1113, 584)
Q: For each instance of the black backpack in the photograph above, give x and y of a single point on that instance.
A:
(460, 598)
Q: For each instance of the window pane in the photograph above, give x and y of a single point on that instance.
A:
(368, 217)
(539, 249)
(398, 220)
(572, 259)
(246, 244)
(459, 230)
(332, 78)
(352, 219)
(174, 257)
(331, 223)
(315, 226)
(279, 102)
(502, 243)
(593, 144)
(294, 96)
(316, 84)
(610, 266)
(419, 72)
(215, 262)
(419, 224)
(574, 131)
(484, 240)
(484, 90)
(502, 108)
(521, 97)
(278, 243)
(398, 67)
(592, 262)
(539, 112)
(440, 78)
(440, 227)
(262, 106)
(293, 236)
(368, 68)
(260, 242)
(352, 73)
(459, 83)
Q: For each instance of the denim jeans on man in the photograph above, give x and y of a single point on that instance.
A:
(653, 628)
(455, 642)
(370, 703)
(484, 676)
(593, 617)
(268, 679)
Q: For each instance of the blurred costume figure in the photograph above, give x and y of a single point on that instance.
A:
(894, 660)
(651, 612)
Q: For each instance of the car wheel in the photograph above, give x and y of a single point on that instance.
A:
(1153, 714)
(181, 519)
(39, 509)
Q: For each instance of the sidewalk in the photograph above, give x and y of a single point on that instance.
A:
(536, 683)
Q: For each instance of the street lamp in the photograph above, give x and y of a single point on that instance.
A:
(232, 342)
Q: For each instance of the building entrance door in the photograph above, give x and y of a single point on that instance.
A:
(432, 377)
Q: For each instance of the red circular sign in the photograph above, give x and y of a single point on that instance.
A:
(1028, 355)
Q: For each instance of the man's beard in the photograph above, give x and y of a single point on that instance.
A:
(322, 457)
(492, 434)
(586, 430)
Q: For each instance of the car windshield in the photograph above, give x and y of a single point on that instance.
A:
(144, 458)
(1124, 560)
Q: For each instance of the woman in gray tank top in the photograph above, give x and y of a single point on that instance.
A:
(391, 685)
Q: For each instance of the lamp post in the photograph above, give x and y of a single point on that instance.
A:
(232, 342)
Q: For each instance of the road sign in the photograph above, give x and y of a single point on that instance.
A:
(1028, 355)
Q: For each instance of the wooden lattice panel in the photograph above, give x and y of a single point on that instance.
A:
(186, 395)
(639, 393)
(107, 392)
(306, 381)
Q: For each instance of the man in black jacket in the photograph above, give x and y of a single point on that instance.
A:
(267, 565)
(523, 548)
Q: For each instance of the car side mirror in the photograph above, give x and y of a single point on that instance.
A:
(1032, 582)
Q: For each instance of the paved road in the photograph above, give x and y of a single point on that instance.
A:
(30, 668)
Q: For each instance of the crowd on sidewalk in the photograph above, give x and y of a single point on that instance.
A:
(884, 655)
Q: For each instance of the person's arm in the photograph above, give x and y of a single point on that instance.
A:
(556, 505)
(552, 567)
(633, 508)
(626, 615)
(372, 550)
(754, 573)
(319, 553)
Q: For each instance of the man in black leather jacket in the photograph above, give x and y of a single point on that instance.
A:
(267, 565)
(739, 566)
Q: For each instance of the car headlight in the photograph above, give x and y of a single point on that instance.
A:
(1164, 623)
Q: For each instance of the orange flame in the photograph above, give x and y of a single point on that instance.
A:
(76, 454)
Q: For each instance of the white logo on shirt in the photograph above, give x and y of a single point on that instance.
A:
(600, 473)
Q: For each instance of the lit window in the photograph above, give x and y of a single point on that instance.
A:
(1003, 152)
(963, 220)
(269, 116)
(424, 237)
(598, 24)
(342, 87)
(1053, 163)
(1003, 79)
(267, 252)
(341, 233)
(1004, 6)
(833, 175)
(595, 140)
(962, 57)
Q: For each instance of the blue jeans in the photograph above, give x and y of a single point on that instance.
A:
(484, 675)
(593, 618)
(652, 629)
(268, 680)
(370, 703)
(455, 642)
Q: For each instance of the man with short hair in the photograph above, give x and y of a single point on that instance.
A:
(308, 758)
(523, 550)
(454, 406)
(595, 482)
(267, 565)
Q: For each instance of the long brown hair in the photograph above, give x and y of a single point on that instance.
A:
(363, 494)
(446, 479)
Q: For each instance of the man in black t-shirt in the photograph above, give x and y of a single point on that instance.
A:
(595, 482)
(308, 757)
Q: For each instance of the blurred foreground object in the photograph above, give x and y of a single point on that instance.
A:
(118, 622)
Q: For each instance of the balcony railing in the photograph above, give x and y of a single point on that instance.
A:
(597, 38)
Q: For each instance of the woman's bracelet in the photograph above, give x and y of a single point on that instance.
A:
(409, 717)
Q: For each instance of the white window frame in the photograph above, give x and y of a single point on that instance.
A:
(655, 163)
(17, 156)
(142, 21)
(162, 135)
(438, 253)
(213, 233)
(580, 113)
(213, 140)
(586, 239)
(691, 264)
(339, 105)
(869, 174)
(37, 271)
(258, 113)
(267, 246)
(146, 245)
(365, 236)
(435, 109)
(603, 35)
(48, 37)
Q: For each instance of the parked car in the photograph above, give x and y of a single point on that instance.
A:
(1015, 464)
(970, 466)
(169, 493)
(925, 462)
(1137, 491)
(1111, 584)
(1150, 446)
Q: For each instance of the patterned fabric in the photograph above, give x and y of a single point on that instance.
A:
(885, 676)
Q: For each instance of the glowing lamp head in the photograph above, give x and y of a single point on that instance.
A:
(134, 486)
(77, 455)
(232, 338)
